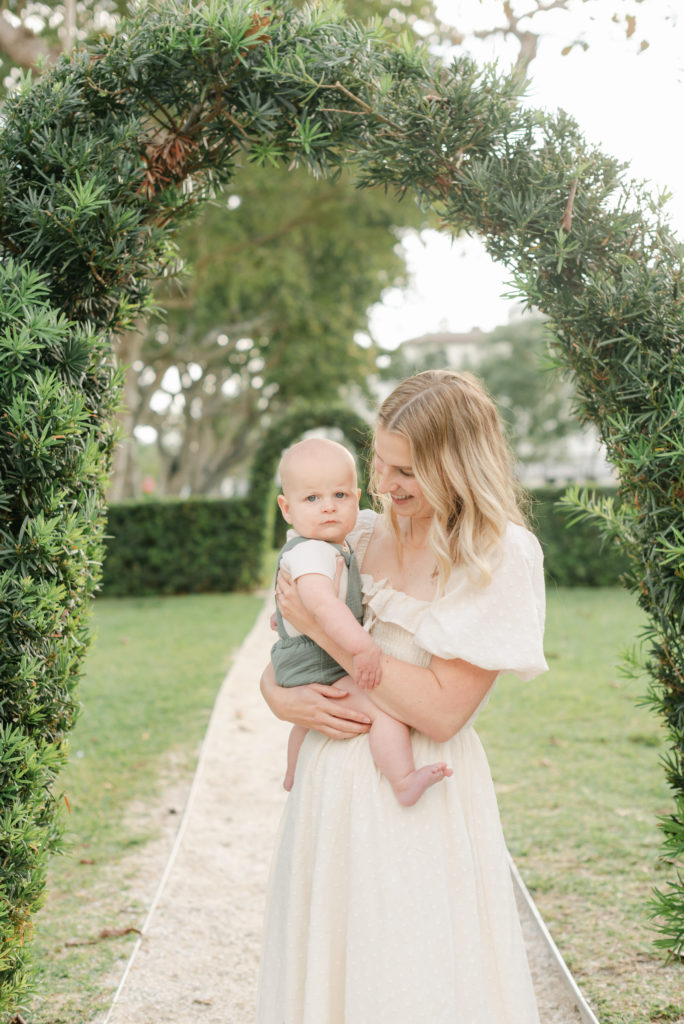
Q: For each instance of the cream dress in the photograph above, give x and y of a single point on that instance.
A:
(382, 914)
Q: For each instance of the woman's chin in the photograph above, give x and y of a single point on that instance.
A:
(411, 508)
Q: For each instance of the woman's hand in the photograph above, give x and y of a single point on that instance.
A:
(314, 706)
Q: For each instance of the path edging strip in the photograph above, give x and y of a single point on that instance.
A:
(585, 1011)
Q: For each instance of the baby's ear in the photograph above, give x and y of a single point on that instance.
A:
(284, 507)
(358, 494)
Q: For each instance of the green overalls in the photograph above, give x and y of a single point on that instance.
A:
(297, 659)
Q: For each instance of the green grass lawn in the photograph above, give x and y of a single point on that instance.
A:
(151, 679)
(575, 762)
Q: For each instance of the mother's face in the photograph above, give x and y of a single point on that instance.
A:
(395, 477)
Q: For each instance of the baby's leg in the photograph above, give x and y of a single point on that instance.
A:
(390, 743)
(297, 734)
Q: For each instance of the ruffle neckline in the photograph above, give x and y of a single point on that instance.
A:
(385, 604)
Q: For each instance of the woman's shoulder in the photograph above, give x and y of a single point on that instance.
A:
(519, 541)
(517, 554)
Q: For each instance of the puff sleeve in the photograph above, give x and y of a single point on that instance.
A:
(499, 627)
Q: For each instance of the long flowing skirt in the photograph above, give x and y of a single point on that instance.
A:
(381, 914)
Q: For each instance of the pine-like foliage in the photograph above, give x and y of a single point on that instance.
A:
(56, 394)
(102, 157)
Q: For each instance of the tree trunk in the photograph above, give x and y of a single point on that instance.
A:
(22, 46)
(69, 25)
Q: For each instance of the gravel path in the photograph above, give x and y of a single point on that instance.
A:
(197, 960)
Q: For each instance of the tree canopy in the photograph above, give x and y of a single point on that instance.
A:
(282, 273)
(276, 285)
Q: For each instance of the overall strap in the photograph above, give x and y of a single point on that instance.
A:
(353, 600)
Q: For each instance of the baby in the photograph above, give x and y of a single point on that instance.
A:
(320, 500)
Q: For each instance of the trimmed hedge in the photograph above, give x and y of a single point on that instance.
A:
(210, 544)
(174, 547)
(204, 544)
(577, 554)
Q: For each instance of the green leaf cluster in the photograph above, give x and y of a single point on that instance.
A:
(576, 554)
(57, 389)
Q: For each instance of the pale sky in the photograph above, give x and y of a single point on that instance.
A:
(629, 102)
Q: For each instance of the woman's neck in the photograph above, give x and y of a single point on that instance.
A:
(414, 532)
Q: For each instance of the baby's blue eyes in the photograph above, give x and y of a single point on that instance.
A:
(314, 497)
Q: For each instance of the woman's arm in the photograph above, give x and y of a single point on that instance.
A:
(437, 700)
(322, 708)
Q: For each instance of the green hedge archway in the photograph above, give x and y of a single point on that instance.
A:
(102, 157)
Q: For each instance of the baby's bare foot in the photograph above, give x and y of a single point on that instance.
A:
(411, 788)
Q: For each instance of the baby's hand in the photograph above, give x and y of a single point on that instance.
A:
(367, 668)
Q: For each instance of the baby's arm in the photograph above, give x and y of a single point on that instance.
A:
(319, 597)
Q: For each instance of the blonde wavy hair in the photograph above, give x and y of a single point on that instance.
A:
(463, 464)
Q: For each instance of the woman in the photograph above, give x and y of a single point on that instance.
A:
(379, 914)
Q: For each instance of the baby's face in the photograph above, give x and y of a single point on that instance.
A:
(322, 500)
